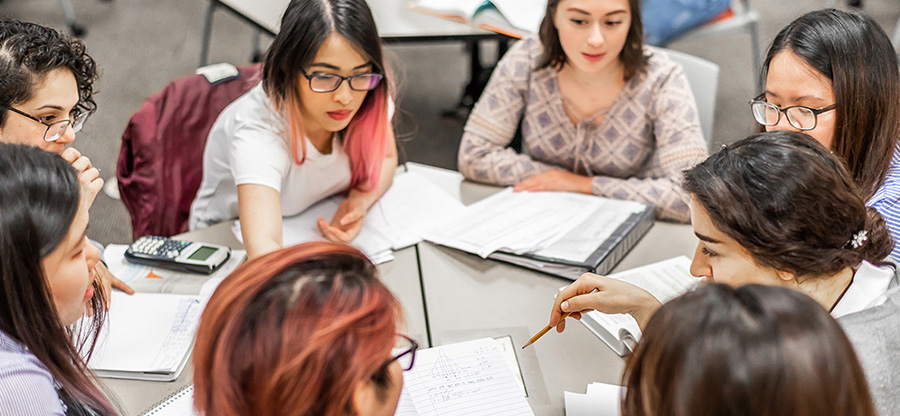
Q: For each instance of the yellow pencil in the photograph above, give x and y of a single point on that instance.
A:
(544, 331)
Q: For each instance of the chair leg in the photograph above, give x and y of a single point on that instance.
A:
(207, 33)
(75, 28)
(257, 50)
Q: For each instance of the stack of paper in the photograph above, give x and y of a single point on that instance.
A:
(601, 399)
(517, 222)
(464, 379)
(399, 219)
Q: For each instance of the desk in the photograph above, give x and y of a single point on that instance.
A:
(400, 275)
(468, 297)
(451, 296)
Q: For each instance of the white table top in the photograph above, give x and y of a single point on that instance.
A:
(467, 297)
(394, 20)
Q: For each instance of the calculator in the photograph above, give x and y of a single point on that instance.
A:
(176, 254)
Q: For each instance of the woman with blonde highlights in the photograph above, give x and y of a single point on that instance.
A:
(307, 330)
(317, 125)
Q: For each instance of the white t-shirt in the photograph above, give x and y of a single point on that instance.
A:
(869, 284)
(247, 145)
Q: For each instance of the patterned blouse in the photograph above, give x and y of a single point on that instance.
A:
(650, 134)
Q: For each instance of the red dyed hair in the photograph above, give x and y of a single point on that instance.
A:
(293, 332)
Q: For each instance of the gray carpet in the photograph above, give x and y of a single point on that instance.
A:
(141, 45)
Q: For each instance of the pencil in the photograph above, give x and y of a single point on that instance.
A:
(544, 331)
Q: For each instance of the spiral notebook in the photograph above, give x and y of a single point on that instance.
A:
(180, 403)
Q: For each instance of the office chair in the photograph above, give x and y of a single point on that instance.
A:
(703, 77)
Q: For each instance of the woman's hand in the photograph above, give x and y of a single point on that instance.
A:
(611, 296)
(88, 175)
(109, 282)
(348, 219)
(556, 180)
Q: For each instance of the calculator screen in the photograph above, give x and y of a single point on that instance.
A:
(202, 254)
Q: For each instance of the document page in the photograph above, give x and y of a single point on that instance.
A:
(523, 14)
(601, 399)
(580, 243)
(464, 379)
(148, 279)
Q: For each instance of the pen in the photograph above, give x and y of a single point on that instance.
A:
(547, 328)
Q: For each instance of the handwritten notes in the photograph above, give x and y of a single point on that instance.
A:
(469, 378)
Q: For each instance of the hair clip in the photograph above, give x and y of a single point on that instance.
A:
(858, 239)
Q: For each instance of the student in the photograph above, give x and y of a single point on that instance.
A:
(779, 209)
(46, 95)
(754, 350)
(47, 281)
(317, 125)
(834, 75)
(306, 330)
(599, 113)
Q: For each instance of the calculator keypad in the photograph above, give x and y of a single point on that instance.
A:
(159, 246)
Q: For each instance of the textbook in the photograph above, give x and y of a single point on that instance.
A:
(664, 280)
(515, 18)
(149, 335)
(558, 233)
(463, 379)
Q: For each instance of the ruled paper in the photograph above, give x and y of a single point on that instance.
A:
(464, 379)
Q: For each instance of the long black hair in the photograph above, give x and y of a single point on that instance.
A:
(854, 52)
(39, 197)
(28, 51)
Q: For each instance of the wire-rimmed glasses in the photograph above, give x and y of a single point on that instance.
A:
(801, 117)
(56, 129)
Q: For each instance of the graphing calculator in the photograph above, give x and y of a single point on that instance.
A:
(176, 254)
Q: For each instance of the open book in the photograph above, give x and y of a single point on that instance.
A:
(464, 379)
(664, 280)
(515, 18)
(149, 335)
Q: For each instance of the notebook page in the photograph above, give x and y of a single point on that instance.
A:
(180, 404)
(601, 399)
(147, 332)
(462, 8)
(465, 379)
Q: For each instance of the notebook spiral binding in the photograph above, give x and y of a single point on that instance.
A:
(158, 406)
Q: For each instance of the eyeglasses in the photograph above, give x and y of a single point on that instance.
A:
(802, 117)
(404, 353)
(56, 129)
(319, 82)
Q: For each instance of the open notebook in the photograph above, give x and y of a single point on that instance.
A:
(664, 280)
(180, 403)
(515, 18)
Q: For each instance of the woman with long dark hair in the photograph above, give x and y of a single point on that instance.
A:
(749, 351)
(835, 76)
(307, 330)
(779, 209)
(46, 282)
(317, 125)
(598, 111)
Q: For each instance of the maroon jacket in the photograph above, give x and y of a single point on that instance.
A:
(160, 164)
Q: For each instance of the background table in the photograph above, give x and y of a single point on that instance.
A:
(451, 296)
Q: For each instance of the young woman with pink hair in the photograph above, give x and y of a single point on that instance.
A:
(317, 125)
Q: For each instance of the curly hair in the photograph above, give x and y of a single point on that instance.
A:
(790, 203)
(28, 51)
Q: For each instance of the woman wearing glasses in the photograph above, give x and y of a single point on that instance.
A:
(317, 125)
(307, 330)
(834, 75)
(46, 95)
(597, 111)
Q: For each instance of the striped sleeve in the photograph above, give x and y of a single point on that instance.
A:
(26, 389)
(887, 202)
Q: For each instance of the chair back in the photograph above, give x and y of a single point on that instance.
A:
(703, 77)
(160, 164)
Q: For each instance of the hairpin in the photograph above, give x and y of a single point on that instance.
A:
(858, 239)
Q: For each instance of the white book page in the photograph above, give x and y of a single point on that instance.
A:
(147, 332)
(462, 8)
(523, 14)
(468, 378)
(584, 239)
(601, 399)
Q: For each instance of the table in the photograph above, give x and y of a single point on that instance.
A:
(400, 275)
(451, 296)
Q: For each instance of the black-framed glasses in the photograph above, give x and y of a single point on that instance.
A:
(56, 129)
(800, 116)
(320, 82)
(404, 353)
